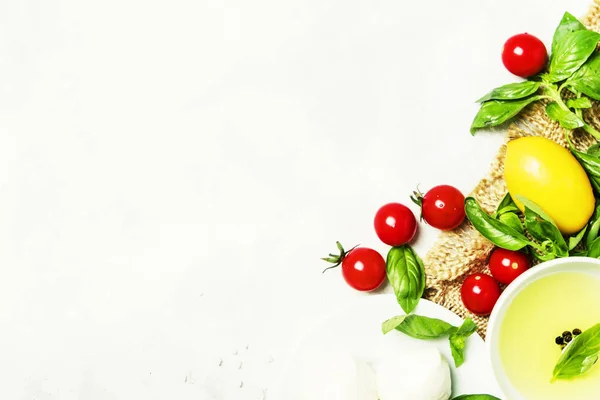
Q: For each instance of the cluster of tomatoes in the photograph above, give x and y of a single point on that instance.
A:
(395, 224)
(479, 292)
(442, 207)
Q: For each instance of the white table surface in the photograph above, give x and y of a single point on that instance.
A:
(171, 172)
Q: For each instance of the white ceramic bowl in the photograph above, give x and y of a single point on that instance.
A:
(569, 264)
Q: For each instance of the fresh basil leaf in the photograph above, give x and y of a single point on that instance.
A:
(594, 227)
(493, 230)
(593, 250)
(591, 165)
(542, 229)
(587, 79)
(407, 276)
(571, 52)
(506, 205)
(576, 239)
(594, 150)
(566, 118)
(420, 327)
(536, 209)
(581, 102)
(392, 323)
(476, 397)
(567, 25)
(579, 356)
(512, 91)
(458, 338)
(512, 220)
(496, 112)
(543, 256)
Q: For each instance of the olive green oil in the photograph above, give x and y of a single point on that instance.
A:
(529, 351)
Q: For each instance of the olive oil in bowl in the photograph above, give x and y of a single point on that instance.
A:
(528, 331)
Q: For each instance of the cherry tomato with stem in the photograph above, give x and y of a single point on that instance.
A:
(507, 265)
(524, 55)
(395, 224)
(479, 293)
(362, 268)
(442, 207)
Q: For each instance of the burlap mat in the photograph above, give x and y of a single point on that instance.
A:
(461, 252)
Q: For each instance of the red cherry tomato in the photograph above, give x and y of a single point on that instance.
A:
(363, 268)
(442, 207)
(479, 293)
(506, 265)
(395, 224)
(524, 55)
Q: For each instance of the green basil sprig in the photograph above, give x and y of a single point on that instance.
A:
(406, 274)
(426, 328)
(476, 397)
(579, 356)
(574, 65)
(492, 229)
(458, 340)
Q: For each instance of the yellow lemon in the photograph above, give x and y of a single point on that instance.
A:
(550, 176)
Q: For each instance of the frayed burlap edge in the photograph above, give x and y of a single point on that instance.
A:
(464, 251)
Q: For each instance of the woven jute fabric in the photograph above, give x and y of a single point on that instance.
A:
(463, 251)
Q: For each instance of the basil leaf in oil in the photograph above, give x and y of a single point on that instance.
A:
(579, 356)
(406, 274)
(571, 52)
(492, 229)
(476, 397)
(512, 91)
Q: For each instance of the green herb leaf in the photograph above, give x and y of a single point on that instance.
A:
(392, 323)
(420, 327)
(543, 228)
(496, 112)
(579, 356)
(594, 150)
(512, 91)
(506, 205)
(571, 52)
(581, 102)
(512, 220)
(566, 118)
(593, 250)
(591, 165)
(587, 79)
(407, 276)
(594, 226)
(567, 25)
(458, 338)
(493, 230)
(476, 397)
(576, 239)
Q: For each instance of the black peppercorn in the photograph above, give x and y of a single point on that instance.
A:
(568, 338)
(566, 333)
(559, 340)
(576, 331)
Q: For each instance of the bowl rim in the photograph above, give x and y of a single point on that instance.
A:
(521, 282)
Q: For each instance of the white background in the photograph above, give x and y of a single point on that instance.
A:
(171, 172)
